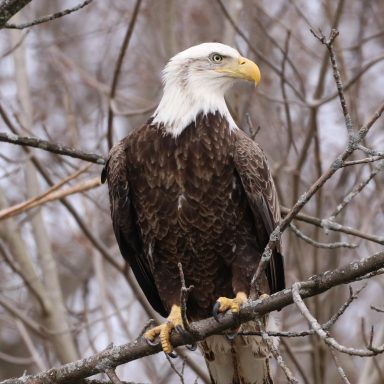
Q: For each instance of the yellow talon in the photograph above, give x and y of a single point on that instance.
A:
(226, 304)
(164, 330)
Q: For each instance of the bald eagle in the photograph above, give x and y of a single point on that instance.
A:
(190, 187)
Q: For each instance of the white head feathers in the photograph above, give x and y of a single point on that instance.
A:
(192, 85)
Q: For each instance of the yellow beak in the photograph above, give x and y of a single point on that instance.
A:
(243, 69)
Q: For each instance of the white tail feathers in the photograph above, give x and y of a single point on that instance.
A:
(244, 360)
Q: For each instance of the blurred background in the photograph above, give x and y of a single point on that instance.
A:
(65, 292)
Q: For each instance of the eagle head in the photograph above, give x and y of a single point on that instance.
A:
(195, 81)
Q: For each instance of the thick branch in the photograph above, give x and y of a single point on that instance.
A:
(8, 8)
(112, 357)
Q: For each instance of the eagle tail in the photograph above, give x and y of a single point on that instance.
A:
(243, 360)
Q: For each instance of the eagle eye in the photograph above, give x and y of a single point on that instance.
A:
(216, 58)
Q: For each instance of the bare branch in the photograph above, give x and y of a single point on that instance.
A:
(355, 191)
(275, 236)
(184, 293)
(30, 345)
(363, 161)
(116, 73)
(339, 367)
(51, 147)
(275, 353)
(368, 151)
(8, 8)
(324, 335)
(174, 369)
(46, 196)
(118, 355)
(377, 309)
(316, 243)
(335, 226)
(48, 18)
(112, 376)
(352, 296)
(336, 74)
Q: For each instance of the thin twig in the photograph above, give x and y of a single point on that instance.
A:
(252, 130)
(363, 161)
(317, 244)
(370, 351)
(371, 274)
(295, 360)
(31, 346)
(377, 309)
(328, 42)
(355, 191)
(40, 199)
(275, 353)
(44, 19)
(93, 381)
(112, 376)
(34, 287)
(369, 151)
(184, 293)
(287, 109)
(9, 8)
(339, 367)
(51, 147)
(56, 195)
(352, 296)
(116, 73)
(327, 325)
(348, 84)
(334, 226)
(180, 374)
(274, 238)
(14, 47)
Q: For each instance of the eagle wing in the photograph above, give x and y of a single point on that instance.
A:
(124, 223)
(252, 168)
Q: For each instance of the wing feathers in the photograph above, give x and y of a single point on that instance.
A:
(124, 223)
(252, 167)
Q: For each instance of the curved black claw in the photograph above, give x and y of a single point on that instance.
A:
(151, 343)
(191, 347)
(231, 336)
(173, 355)
(184, 335)
(215, 311)
(181, 331)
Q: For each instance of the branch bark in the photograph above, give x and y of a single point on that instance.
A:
(51, 147)
(114, 356)
(8, 8)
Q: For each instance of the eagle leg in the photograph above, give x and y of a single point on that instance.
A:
(224, 304)
(164, 330)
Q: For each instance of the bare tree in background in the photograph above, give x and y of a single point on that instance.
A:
(77, 76)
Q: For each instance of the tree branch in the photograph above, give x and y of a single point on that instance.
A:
(8, 8)
(114, 356)
(116, 73)
(315, 243)
(48, 17)
(334, 226)
(51, 147)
